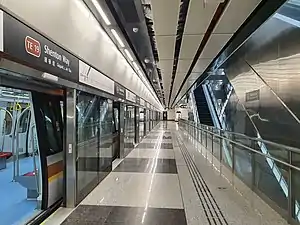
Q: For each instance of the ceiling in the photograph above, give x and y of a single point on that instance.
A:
(181, 43)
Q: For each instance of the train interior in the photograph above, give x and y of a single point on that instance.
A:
(23, 180)
(19, 157)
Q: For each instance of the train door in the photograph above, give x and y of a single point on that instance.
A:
(165, 116)
(30, 162)
(178, 116)
(142, 123)
(94, 140)
(116, 131)
(137, 124)
(129, 129)
(49, 122)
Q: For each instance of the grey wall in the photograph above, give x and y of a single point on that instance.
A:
(269, 63)
(70, 24)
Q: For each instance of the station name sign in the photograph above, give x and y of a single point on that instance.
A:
(120, 91)
(27, 45)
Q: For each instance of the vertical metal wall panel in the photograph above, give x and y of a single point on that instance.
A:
(122, 127)
(79, 32)
(137, 123)
(70, 154)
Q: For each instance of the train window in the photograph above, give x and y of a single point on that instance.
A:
(106, 117)
(24, 120)
(87, 117)
(7, 124)
(53, 124)
(116, 118)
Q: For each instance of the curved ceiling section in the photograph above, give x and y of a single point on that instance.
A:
(79, 32)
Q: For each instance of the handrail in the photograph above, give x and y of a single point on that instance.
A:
(284, 179)
(293, 149)
(255, 151)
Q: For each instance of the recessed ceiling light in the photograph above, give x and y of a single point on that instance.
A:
(117, 37)
(128, 55)
(101, 12)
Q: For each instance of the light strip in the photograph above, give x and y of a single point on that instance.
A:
(101, 12)
(117, 37)
(136, 66)
(128, 55)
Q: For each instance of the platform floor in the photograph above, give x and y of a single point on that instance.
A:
(168, 179)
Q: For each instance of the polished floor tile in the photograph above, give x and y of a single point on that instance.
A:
(146, 216)
(155, 145)
(117, 215)
(144, 165)
(156, 137)
(166, 146)
(137, 190)
(88, 215)
(146, 153)
(144, 144)
(233, 203)
(156, 142)
(155, 185)
(58, 216)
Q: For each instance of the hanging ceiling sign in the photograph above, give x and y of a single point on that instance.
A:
(27, 45)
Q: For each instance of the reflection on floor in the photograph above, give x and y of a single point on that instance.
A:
(156, 185)
(14, 206)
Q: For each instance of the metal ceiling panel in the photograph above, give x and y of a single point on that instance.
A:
(199, 16)
(166, 65)
(179, 78)
(235, 14)
(183, 65)
(165, 16)
(215, 43)
(201, 65)
(233, 17)
(166, 46)
(190, 44)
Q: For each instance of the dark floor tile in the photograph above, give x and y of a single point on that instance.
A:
(106, 145)
(142, 165)
(88, 214)
(167, 137)
(126, 215)
(146, 145)
(154, 137)
(128, 145)
(166, 146)
(150, 216)
(154, 145)
(80, 222)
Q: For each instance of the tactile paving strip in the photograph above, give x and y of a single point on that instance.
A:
(211, 209)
